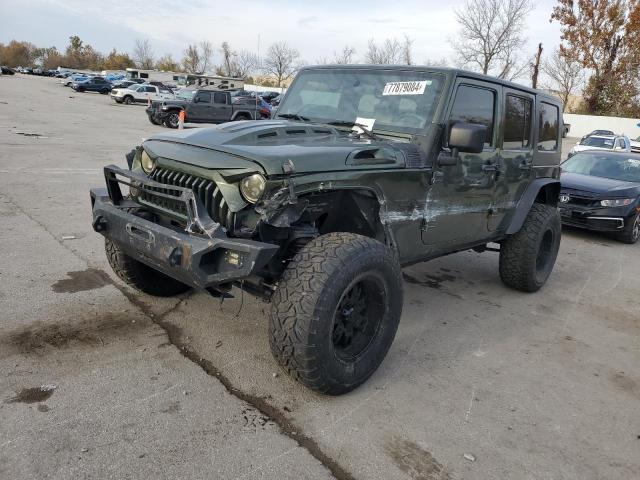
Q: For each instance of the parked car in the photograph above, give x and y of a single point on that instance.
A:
(95, 84)
(276, 101)
(319, 219)
(268, 96)
(6, 70)
(75, 77)
(566, 128)
(602, 142)
(598, 132)
(635, 145)
(601, 191)
(123, 84)
(140, 94)
(203, 106)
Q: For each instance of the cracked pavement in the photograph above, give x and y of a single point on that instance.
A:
(100, 381)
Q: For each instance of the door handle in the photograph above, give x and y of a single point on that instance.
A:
(490, 167)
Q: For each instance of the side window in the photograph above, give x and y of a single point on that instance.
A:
(151, 89)
(219, 98)
(475, 105)
(203, 97)
(517, 123)
(548, 127)
(620, 143)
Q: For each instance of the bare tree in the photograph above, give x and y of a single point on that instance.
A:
(491, 35)
(535, 67)
(443, 62)
(345, 56)
(245, 63)
(565, 73)
(143, 54)
(390, 52)
(206, 54)
(407, 44)
(227, 59)
(191, 59)
(281, 61)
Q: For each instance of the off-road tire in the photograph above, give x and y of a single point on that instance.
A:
(527, 257)
(304, 309)
(141, 276)
(128, 100)
(172, 120)
(242, 116)
(631, 231)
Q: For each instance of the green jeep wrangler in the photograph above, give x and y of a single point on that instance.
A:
(364, 170)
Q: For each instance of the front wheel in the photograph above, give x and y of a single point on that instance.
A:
(631, 232)
(172, 120)
(128, 100)
(336, 311)
(141, 276)
(527, 257)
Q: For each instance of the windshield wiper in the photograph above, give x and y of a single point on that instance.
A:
(292, 116)
(346, 123)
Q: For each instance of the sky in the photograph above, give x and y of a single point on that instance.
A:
(316, 29)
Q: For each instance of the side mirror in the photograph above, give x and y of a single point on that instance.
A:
(467, 137)
(463, 137)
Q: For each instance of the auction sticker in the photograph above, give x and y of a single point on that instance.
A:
(406, 88)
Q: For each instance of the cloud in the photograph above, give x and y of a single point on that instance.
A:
(316, 29)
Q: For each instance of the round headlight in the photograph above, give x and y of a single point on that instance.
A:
(147, 162)
(252, 187)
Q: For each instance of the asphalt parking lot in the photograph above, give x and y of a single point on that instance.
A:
(99, 381)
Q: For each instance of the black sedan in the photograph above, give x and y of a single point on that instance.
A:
(601, 191)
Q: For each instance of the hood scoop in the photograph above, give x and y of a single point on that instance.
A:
(279, 133)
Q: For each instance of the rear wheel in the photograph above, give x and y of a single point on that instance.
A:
(631, 231)
(336, 311)
(527, 257)
(141, 276)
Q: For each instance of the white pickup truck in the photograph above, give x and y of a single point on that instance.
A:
(140, 94)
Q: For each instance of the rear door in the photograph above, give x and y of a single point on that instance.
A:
(516, 166)
(221, 107)
(460, 198)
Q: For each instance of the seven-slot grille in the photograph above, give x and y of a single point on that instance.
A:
(206, 190)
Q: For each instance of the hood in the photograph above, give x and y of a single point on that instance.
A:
(600, 186)
(308, 147)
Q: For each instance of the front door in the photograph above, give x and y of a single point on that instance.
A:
(201, 107)
(459, 202)
(516, 154)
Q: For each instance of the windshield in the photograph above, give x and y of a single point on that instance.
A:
(598, 142)
(394, 100)
(185, 94)
(608, 165)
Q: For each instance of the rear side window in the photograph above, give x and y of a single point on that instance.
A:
(219, 98)
(517, 123)
(548, 127)
(474, 105)
(204, 97)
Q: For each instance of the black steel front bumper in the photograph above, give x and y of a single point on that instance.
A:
(202, 257)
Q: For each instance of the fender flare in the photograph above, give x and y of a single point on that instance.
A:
(526, 201)
(241, 112)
